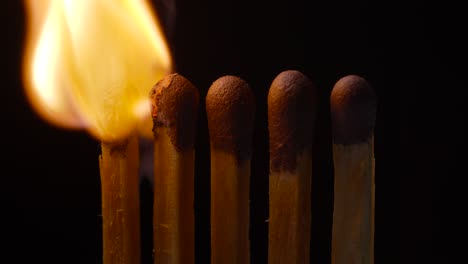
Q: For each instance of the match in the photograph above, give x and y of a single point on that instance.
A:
(230, 107)
(174, 102)
(118, 165)
(353, 112)
(291, 118)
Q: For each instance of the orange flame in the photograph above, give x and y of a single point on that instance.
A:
(91, 63)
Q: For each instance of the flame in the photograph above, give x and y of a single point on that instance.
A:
(90, 64)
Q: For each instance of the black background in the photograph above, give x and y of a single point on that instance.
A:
(412, 54)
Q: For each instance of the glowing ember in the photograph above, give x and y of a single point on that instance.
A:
(91, 64)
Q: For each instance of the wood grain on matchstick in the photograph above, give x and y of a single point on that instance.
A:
(120, 202)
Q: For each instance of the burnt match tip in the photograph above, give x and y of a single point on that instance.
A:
(353, 106)
(174, 105)
(291, 118)
(230, 108)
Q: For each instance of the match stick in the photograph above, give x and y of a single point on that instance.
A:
(353, 110)
(120, 201)
(230, 108)
(291, 118)
(174, 102)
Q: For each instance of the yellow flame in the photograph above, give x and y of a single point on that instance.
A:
(91, 64)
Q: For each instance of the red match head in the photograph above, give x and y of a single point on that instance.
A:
(353, 109)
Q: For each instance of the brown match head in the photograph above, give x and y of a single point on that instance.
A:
(353, 108)
(291, 118)
(174, 105)
(230, 108)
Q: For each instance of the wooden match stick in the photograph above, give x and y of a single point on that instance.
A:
(291, 118)
(353, 110)
(120, 201)
(175, 110)
(230, 108)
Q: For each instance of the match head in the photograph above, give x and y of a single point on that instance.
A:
(230, 108)
(174, 105)
(353, 106)
(291, 118)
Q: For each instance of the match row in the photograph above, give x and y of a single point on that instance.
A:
(230, 108)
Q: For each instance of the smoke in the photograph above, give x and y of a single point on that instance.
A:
(146, 160)
(166, 11)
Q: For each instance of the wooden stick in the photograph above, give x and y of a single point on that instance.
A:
(174, 108)
(120, 202)
(230, 110)
(353, 109)
(291, 117)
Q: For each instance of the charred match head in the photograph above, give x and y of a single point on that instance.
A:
(353, 108)
(291, 118)
(230, 108)
(174, 105)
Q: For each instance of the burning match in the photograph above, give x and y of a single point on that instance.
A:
(230, 108)
(291, 117)
(174, 109)
(353, 110)
(89, 65)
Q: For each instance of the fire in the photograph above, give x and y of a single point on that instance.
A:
(90, 64)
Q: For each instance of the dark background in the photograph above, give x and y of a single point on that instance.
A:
(412, 54)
